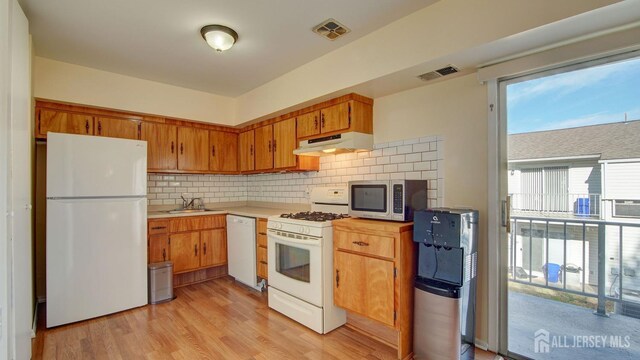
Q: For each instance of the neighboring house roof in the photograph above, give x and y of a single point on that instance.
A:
(610, 141)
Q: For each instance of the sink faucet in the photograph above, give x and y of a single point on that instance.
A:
(190, 204)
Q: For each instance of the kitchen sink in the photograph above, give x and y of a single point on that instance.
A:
(188, 211)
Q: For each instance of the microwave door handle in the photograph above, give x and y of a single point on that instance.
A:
(284, 239)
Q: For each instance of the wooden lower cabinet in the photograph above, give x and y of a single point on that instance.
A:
(197, 246)
(214, 247)
(374, 267)
(365, 285)
(261, 249)
(159, 249)
(184, 251)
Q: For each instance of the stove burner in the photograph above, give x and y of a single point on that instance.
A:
(314, 216)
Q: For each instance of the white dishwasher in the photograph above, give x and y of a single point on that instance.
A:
(241, 249)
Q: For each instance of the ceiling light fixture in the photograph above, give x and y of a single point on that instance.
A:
(219, 37)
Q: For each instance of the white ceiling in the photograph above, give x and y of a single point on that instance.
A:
(160, 40)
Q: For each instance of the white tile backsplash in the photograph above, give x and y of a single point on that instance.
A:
(413, 159)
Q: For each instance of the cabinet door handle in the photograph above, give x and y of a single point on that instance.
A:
(213, 150)
(274, 145)
(251, 150)
(195, 250)
(337, 278)
(269, 146)
(86, 126)
(204, 248)
(361, 243)
(172, 147)
(158, 227)
(164, 254)
(263, 262)
(99, 127)
(322, 119)
(315, 121)
(181, 148)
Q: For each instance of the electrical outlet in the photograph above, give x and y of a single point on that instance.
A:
(307, 192)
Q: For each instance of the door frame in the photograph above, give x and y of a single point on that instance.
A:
(498, 190)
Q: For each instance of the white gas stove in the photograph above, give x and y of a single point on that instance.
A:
(300, 250)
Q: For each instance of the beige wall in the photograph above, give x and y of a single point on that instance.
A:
(61, 81)
(456, 110)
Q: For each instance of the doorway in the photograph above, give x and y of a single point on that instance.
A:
(570, 263)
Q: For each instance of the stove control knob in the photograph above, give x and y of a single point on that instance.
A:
(277, 226)
(302, 229)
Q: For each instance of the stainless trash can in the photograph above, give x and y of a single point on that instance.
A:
(160, 282)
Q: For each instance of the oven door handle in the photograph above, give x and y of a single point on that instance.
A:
(284, 239)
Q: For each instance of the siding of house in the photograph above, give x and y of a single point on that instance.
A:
(622, 181)
(584, 178)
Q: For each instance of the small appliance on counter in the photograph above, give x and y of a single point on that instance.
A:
(395, 200)
(445, 285)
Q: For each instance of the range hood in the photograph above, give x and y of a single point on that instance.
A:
(336, 144)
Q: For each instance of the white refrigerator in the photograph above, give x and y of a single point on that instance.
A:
(96, 226)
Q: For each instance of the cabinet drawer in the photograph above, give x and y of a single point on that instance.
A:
(262, 262)
(197, 223)
(261, 234)
(158, 227)
(364, 243)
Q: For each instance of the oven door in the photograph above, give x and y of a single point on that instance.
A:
(295, 266)
(370, 199)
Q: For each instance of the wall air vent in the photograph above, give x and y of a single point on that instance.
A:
(330, 29)
(436, 74)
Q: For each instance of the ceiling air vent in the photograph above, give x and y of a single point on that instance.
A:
(432, 75)
(330, 29)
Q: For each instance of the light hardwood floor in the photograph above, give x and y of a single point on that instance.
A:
(217, 319)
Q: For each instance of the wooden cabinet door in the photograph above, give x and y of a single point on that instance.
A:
(246, 150)
(264, 147)
(185, 251)
(161, 145)
(308, 124)
(214, 247)
(334, 118)
(364, 285)
(62, 122)
(284, 142)
(159, 248)
(223, 154)
(117, 128)
(193, 149)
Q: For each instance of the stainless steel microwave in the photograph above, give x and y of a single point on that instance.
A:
(394, 200)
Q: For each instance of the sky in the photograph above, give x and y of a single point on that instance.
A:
(596, 95)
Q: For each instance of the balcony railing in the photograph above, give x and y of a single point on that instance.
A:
(564, 205)
(592, 258)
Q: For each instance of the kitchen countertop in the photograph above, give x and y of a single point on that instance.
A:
(247, 210)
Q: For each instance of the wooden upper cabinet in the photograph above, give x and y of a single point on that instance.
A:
(193, 149)
(284, 142)
(308, 124)
(185, 251)
(335, 118)
(246, 151)
(117, 128)
(264, 147)
(161, 145)
(223, 153)
(64, 122)
(214, 247)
